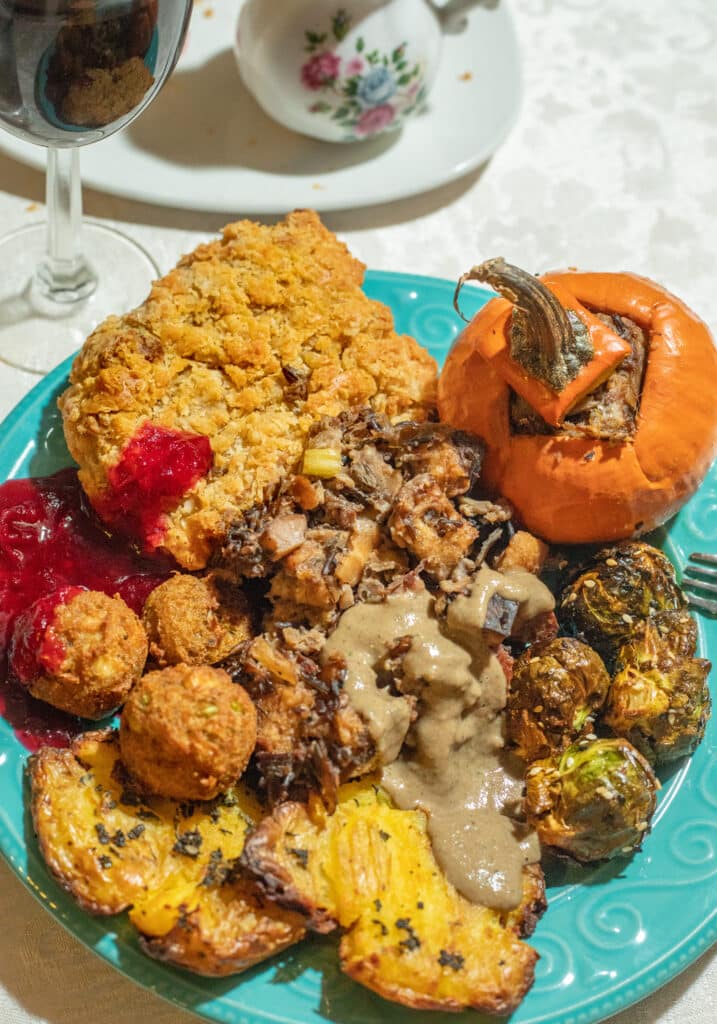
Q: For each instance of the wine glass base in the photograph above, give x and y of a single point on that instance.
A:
(39, 330)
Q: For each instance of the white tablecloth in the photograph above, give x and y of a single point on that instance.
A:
(612, 165)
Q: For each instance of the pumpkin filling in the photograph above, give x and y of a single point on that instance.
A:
(571, 371)
(609, 413)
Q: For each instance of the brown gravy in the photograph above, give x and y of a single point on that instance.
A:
(451, 760)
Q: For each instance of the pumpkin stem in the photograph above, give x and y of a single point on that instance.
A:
(549, 342)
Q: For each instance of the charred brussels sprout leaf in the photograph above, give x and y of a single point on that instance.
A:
(593, 801)
(556, 689)
(659, 699)
(622, 585)
(678, 629)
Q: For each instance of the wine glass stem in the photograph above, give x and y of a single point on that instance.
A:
(64, 276)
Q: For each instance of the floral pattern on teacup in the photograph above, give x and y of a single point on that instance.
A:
(366, 93)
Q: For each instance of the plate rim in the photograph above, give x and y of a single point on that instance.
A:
(106, 942)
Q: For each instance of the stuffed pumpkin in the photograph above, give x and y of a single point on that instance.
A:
(595, 394)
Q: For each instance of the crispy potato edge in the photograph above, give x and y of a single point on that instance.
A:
(208, 952)
(274, 880)
(38, 769)
(371, 954)
(367, 972)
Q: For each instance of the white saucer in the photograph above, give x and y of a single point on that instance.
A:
(204, 144)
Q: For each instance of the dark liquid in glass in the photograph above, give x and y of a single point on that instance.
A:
(74, 71)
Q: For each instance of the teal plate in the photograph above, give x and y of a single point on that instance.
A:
(611, 935)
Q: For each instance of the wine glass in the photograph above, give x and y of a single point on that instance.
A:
(73, 72)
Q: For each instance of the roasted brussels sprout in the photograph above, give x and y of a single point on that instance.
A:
(556, 689)
(622, 585)
(659, 699)
(593, 801)
(678, 629)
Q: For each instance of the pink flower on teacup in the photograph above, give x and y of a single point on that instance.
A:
(354, 67)
(375, 119)
(320, 70)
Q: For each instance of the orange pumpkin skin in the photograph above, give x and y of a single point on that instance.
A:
(574, 490)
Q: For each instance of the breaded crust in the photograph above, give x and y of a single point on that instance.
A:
(248, 341)
(105, 650)
(187, 732)
(190, 621)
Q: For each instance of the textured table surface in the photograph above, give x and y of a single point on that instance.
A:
(612, 165)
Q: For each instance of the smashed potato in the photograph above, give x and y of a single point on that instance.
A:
(227, 931)
(409, 935)
(171, 863)
(203, 901)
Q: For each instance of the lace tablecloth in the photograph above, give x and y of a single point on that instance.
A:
(612, 165)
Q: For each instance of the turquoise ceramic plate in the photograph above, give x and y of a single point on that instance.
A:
(611, 935)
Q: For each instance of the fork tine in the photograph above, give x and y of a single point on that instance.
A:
(702, 602)
(701, 556)
(700, 570)
(700, 577)
(700, 584)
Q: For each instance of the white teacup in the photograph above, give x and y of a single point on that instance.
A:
(339, 70)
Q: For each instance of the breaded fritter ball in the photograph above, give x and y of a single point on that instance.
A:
(187, 732)
(187, 621)
(80, 651)
(192, 407)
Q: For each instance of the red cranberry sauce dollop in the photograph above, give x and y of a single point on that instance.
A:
(35, 648)
(50, 540)
(156, 468)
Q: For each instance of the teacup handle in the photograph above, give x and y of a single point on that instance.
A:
(451, 12)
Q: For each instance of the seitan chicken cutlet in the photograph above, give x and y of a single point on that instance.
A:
(192, 407)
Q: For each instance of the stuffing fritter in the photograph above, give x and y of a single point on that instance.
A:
(187, 732)
(79, 650)
(192, 621)
(194, 406)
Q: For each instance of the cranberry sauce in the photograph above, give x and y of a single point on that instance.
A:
(50, 540)
(34, 646)
(35, 723)
(157, 467)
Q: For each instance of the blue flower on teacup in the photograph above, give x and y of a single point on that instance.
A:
(377, 87)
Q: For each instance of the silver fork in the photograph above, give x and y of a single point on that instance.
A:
(700, 576)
